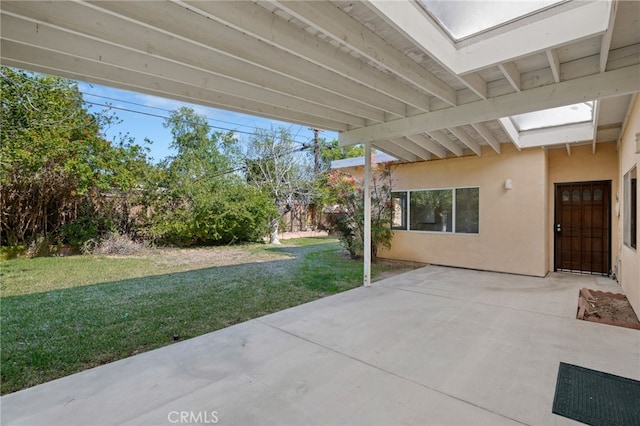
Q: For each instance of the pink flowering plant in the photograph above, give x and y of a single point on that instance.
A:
(347, 192)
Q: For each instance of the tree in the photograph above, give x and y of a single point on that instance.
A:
(331, 151)
(198, 198)
(275, 166)
(53, 157)
(348, 222)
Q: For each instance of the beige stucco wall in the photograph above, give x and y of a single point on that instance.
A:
(629, 274)
(582, 166)
(513, 223)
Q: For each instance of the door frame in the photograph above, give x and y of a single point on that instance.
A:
(556, 206)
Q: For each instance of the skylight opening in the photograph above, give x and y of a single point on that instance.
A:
(467, 18)
(554, 117)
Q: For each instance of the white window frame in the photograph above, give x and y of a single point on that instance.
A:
(453, 210)
(627, 197)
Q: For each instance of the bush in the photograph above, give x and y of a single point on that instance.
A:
(224, 213)
(12, 252)
(79, 230)
(114, 244)
(348, 221)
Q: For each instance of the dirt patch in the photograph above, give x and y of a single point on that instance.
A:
(216, 256)
(606, 308)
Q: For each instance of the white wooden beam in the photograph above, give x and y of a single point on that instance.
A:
(445, 141)
(511, 73)
(394, 150)
(511, 131)
(627, 118)
(201, 68)
(488, 136)
(568, 148)
(382, 150)
(466, 139)
(611, 83)
(554, 63)
(367, 215)
(57, 40)
(82, 17)
(330, 20)
(241, 46)
(252, 49)
(428, 144)
(258, 22)
(22, 56)
(596, 116)
(413, 147)
(476, 83)
(605, 44)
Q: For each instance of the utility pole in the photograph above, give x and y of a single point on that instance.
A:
(315, 212)
(316, 151)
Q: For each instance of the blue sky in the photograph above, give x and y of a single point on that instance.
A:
(143, 123)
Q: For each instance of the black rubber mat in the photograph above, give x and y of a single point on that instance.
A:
(596, 398)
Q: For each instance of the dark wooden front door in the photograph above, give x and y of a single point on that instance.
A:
(582, 228)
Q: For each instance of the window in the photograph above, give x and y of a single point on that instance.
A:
(431, 211)
(461, 19)
(467, 212)
(631, 208)
(399, 213)
(439, 210)
(553, 117)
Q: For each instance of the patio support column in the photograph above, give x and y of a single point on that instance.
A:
(367, 214)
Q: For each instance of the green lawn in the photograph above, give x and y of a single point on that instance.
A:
(65, 314)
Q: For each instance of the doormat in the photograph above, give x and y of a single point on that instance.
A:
(606, 308)
(596, 398)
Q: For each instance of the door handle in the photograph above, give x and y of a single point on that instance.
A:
(558, 227)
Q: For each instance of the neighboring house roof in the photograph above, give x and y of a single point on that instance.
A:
(379, 157)
(385, 72)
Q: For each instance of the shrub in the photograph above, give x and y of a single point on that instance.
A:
(79, 230)
(12, 252)
(224, 213)
(348, 221)
(114, 244)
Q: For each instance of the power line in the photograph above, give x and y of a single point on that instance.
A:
(159, 108)
(64, 82)
(186, 121)
(272, 157)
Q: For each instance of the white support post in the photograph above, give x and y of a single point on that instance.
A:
(367, 214)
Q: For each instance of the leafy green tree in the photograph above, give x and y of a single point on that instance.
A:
(199, 199)
(331, 151)
(53, 157)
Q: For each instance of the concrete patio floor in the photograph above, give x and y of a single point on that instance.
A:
(433, 346)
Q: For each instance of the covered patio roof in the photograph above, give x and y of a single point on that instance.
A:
(383, 72)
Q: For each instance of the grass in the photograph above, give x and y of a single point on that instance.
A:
(66, 314)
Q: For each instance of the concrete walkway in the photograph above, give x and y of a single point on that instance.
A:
(433, 346)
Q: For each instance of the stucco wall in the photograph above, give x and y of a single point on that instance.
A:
(629, 274)
(513, 223)
(582, 166)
